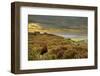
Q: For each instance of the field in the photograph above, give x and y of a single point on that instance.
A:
(44, 46)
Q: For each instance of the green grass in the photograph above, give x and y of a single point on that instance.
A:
(48, 47)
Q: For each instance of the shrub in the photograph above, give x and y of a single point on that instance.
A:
(69, 54)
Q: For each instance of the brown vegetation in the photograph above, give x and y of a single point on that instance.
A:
(48, 46)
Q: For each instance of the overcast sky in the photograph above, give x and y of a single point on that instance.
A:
(59, 21)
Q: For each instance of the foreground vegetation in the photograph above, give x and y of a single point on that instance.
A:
(48, 46)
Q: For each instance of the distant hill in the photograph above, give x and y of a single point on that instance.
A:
(45, 35)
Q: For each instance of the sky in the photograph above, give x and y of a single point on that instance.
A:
(58, 24)
(59, 21)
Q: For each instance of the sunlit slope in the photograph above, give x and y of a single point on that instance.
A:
(44, 46)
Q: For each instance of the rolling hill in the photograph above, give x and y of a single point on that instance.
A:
(44, 46)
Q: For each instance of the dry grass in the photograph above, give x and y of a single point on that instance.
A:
(47, 47)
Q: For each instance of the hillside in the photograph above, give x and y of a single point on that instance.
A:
(44, 46)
